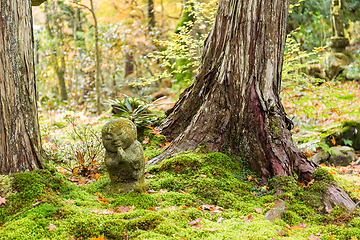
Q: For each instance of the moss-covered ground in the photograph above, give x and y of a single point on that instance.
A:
(225, 198)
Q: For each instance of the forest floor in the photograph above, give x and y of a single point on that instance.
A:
(191, 196)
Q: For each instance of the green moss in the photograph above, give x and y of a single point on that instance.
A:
(5, 185)
(29, 188)
(322, 174)
(301, 209)
(284, 183)
(291, 218)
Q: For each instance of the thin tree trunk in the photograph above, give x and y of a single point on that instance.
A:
(129, 64)
(20, 145)
(234, 103)
(97, 81)
(150, 14)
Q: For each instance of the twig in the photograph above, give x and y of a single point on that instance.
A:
(34, 205)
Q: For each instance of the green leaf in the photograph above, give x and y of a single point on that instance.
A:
(348, 142)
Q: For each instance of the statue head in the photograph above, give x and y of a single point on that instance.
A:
(118, 133)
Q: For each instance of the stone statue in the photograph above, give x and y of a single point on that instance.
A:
(124, 157)
(338, 41)
(337, 18)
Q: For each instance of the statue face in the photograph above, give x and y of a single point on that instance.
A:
(119, 133)
(112, 140)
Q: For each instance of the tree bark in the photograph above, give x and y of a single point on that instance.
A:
(20, 145)
(234, 104)
(150, 14)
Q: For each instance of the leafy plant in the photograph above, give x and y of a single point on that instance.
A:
(296, 63)
(135, 109)
(83, 154)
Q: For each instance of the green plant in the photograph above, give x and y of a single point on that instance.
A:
(82, 154)
(135, 109)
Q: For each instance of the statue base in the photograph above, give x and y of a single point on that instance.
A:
(140, 186)
(338, 44)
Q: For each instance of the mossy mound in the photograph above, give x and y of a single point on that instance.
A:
(180, 187)
(25, 189)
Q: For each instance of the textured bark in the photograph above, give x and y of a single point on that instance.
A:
(234, 103)
(20, 145)
(129, 64)
(150, 14)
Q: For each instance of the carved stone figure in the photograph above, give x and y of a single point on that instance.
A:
(124, 157)
(337, 18)
(338, 41)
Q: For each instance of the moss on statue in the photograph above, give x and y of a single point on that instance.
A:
(124, 156)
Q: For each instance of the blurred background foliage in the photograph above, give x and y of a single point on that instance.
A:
(154, 47)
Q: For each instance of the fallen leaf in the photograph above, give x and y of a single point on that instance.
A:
(146, 140)
(258, 210)
(198, 226)
(219, 220)
(2, 200)
(163, 191)
(203, 176)
(211, 229)
(103, 212)
(194, 222)
(181, 191)
(52, 227)
(280, 233)
(70, 201)
(312, 237)
(172, 208)
(82, 181)
(249, 218)
(154, 208)
(333, 141)
(99, 238)
(151, 191)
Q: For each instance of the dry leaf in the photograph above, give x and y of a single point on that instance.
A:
(146, 140)
(172, 208)
(2, 200)
(333, 141)
(312, 237)
(151, 191)
(280, 233)
(219, 220)
(198, 226)
(70, 201)
(211, 229)
(194, 222)
(163, 191)
(82, 181)
(99, 238)
(149, 175)
(154, 208)
(258, 210)
(203, 176)
(52, 227)
(249, 218)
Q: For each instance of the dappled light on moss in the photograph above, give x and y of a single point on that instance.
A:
(179, 187)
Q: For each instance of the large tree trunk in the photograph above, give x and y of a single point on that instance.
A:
(234, 103)
(20, 144)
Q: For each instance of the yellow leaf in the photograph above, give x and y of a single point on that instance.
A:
(333, 141)
(99, 238)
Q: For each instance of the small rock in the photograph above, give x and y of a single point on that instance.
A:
(276, 211)
(320, 157)
(343, 156)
